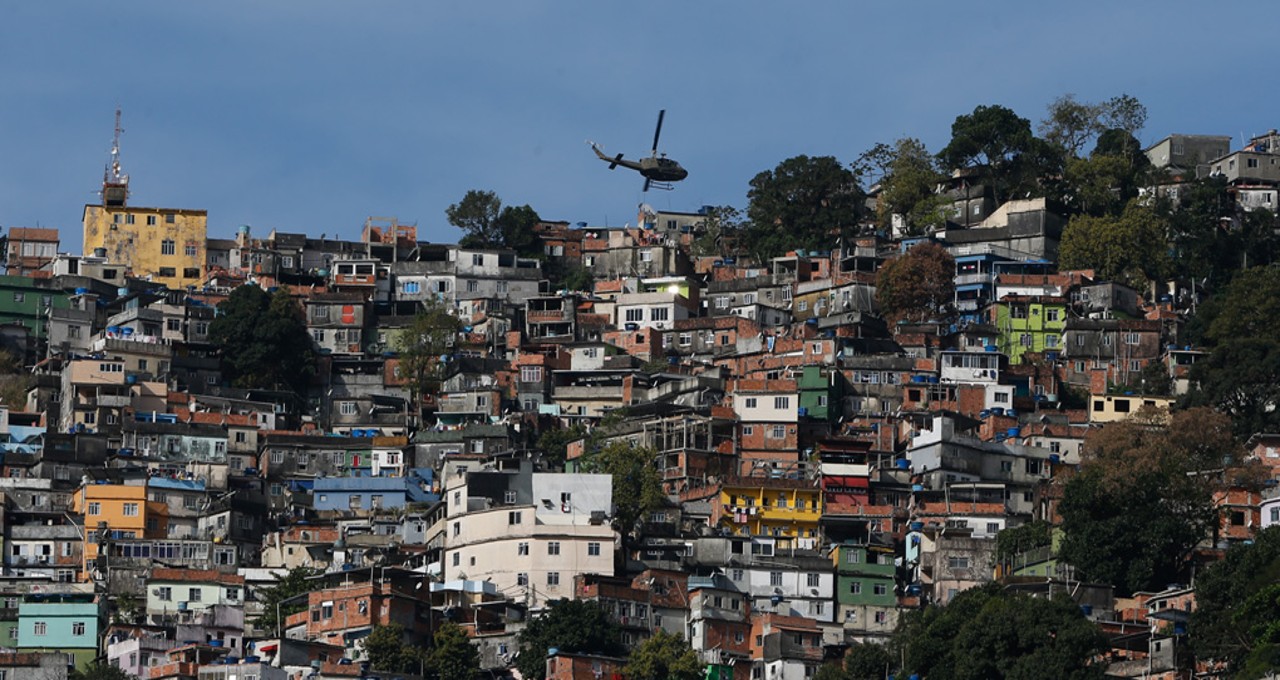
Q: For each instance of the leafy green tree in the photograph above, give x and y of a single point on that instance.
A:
(488, 224)
(452, 656)
(1014, 541)
(1071, 124)
(664, 656)
(14, 381)
(802, 203)
(1153, 379)
(988, 634)
(1203, 249)
(637, 485)
(909, 188)
(1237, 616)
(580, 626)
(477, 215)
(554, 444)
(1117, 248)
(867, 661)
(1246, 307)
(1144, 497)
(1241, 377)
(1001, 144)
(101, 671)
(283, 593)
(721, 229)
(429, 336)
(918, 285)
(387, 650)
(263, 339)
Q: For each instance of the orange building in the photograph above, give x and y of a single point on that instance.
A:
(122, 509)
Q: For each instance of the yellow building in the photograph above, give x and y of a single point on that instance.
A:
(773, 507)
(165, 244)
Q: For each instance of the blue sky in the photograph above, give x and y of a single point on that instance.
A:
(311, 116)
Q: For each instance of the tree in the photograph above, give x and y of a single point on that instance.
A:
(429, 337)
(721, 229)
(1144, 497)
(918, 285)
(637, 486)
(1014, 541)
(664, 656)
(386, 650)
(986, 633)
(802, 203)
(1071, 123)
(477, 215)
(452, 656)
(14, 381)
(1241, 377)
(263, 339)
(1237, 616)
(282, 595)
(490, 225)
(101, 671)
(867, 661)
(581, 626)
(1001, 144)
(1117, 248)
(554, 444)
(908, 188)
(1246, 308)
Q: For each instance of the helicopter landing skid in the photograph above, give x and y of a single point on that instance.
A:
(664, 186)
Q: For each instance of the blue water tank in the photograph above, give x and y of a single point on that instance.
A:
(1013, 431)
(990, 348)
(917, 526)
(998, 410)
(903, 464)
(1011, 413)
(1054, 459)
(802, 412)
(917, 488)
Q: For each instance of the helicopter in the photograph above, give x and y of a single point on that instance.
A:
(658, 170)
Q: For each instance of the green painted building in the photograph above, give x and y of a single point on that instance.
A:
(864, 575)
(1028, 324)
(27, 301)
(821, 393)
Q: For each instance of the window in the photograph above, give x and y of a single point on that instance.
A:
(553, 547)
(1122, 405)
(412, 287)
(19, 297)
(130, 510)
(530, 374)
(457, 559)
(880, 589)
(509, 497)
(1135, 364)
(1025, 340)
(593, 549)
(193, 594)
(347, 408)
(189, 250)
(95, 508)
(513, 517)
(855, 587)
(749, 402)
(129, 219)
(775, 578)
(553, 578)
(1050, 341)
(748, 430)
(77, 628)
(852, 557)
(955, 562)
(1051, 314)
(635, 315)
(811, 580)
(472, 285)
(882, 617)
(167, 271)
(1017, 312)
(658, 314)
(522, 548)
(736, 574)
(168, 247)
(522, 579)
(40, 628)
(778, 432)
(802, 305)
(782, 402)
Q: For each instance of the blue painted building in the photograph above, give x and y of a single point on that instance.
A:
(69, 623)
(372, 493)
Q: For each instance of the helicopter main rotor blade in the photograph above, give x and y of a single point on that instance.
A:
(658, 131)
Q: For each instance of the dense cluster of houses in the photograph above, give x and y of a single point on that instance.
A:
(824, 471)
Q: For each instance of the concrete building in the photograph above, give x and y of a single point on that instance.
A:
(530, 533)
(29, 250)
